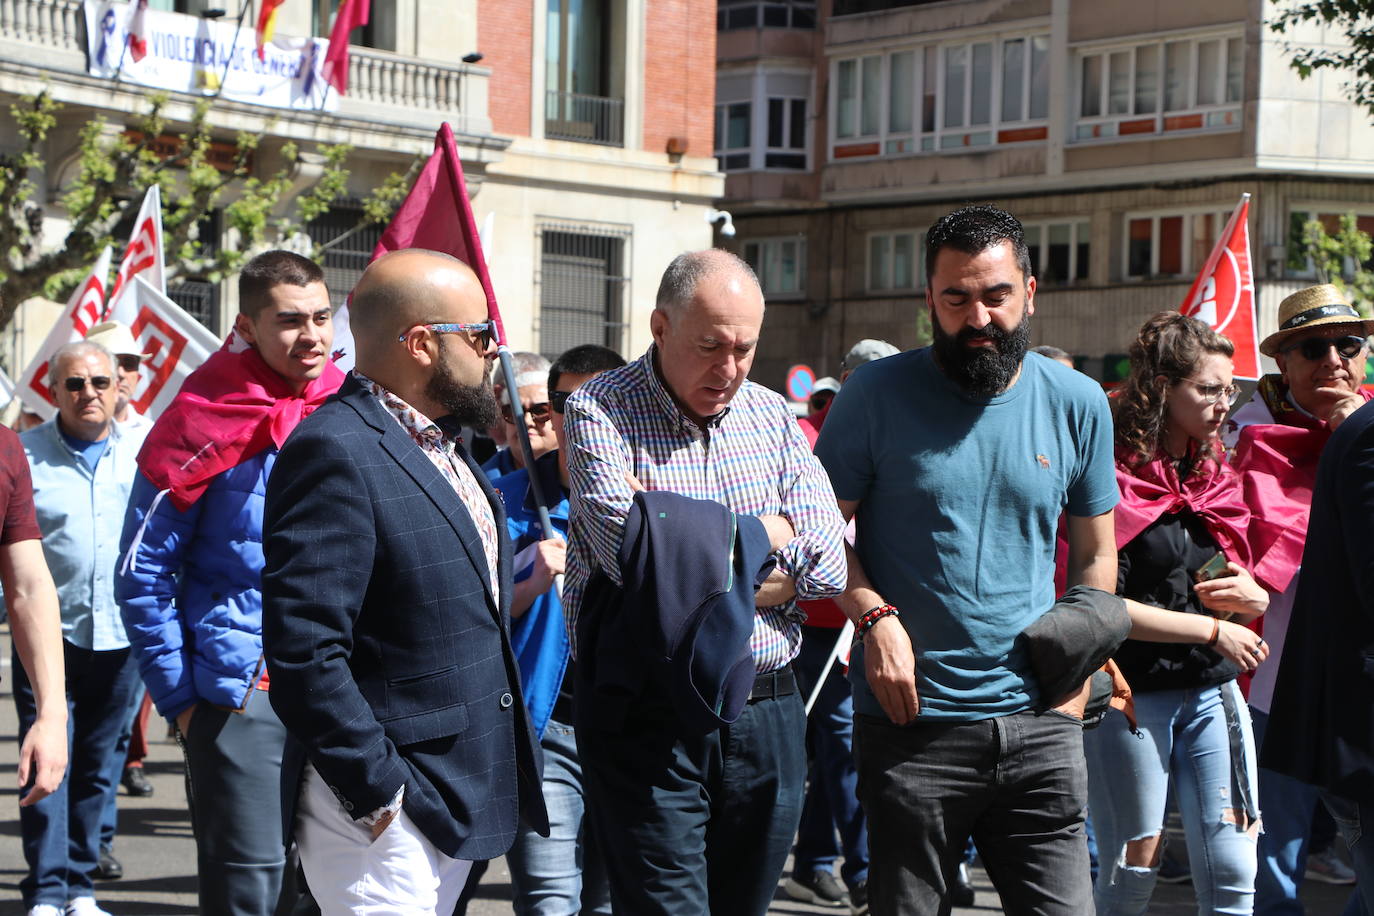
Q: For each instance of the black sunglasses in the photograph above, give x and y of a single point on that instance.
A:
(1314, 348)
(76, 383)
(128, 363)
(540, 412)
(558, 400)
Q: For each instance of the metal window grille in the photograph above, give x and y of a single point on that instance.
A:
(344, 260)
(583, 286)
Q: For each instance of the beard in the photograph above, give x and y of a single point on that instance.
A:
(982, 371)
(468, 405)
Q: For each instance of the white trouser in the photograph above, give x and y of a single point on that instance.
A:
(350, 874)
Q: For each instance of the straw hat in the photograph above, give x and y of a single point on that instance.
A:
(116, 338)
(1310, 308)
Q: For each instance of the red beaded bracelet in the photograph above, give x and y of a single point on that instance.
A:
(867, 621)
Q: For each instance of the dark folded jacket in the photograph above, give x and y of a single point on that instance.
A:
(1073, 639)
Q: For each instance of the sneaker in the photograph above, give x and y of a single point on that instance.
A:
(1328, 867)
(858, 899)
(135, 783)
(961, 894)
(85, 906)
(45, 909)
(109, 868)
(818, 887)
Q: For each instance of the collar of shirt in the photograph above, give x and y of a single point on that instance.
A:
(420, 427)
(658, 388)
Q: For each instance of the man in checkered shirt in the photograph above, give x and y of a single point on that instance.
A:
(701, 823)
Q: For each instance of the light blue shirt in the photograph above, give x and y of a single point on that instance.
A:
(81, 514)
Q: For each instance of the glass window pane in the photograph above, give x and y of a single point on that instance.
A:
(845, 93)
(1139, 235)
(1119, 83)
(1034, 248)
(877, 262)
(737, 130)
(1171, 245)
(1235, 69)
(777, 113)
(1057, 259)
(901, 85)
(928, 79)
(1013, 79)
(1082, 253)
(1091, 106)
(902, 260)
(980, 111)
(956, 75)
(872, 96)
(797, 128)
(1040, 78)
(751, 257)
(1176, 66)
(1209, 72)
(1147, 79)
(787, 266)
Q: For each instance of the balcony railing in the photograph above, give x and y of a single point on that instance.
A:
(382, 86)
(584, 118)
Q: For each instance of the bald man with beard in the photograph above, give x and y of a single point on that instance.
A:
(386, 618)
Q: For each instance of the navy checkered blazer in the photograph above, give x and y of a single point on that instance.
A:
(390, 662)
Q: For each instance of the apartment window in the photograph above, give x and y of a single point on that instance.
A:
(732, 136)
(1160, 86)
(582, 287)
(942, 97)
(767, 14)
(1171, 244)
(896, 261)
(779, 264)
(348, 248)
(786, 134)
(1059, 251)
(578, 98)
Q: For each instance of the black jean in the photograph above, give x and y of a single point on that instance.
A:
(1017, 784)
(696, 825)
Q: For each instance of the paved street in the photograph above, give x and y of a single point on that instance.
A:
(158, 852)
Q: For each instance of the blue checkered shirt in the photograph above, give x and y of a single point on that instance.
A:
(752, 457)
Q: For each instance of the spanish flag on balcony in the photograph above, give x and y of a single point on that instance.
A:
(352, 14)
(267, 24)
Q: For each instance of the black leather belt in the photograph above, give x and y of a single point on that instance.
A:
(780, 683)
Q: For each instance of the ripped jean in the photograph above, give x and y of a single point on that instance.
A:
(1183, 738)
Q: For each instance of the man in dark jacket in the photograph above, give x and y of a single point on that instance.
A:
(386, 597)
(1321, 724)
(188, 585)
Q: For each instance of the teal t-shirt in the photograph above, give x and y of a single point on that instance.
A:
(959, 501)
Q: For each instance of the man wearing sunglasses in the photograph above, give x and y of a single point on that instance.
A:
(83, 467)
(1320, 348)
(190, 582)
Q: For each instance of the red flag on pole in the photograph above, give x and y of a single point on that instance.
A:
(352, 15)
(267, 26)
(437, 215)
(1223, 295)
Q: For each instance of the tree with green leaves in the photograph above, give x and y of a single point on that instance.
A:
(1354, 19)
(115, 167)
(1341, 258)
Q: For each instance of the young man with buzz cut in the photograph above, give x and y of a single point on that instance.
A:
(190, 587)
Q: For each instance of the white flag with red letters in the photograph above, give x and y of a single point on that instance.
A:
(84, 311)
(143, 256)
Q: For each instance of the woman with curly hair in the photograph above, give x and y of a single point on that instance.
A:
(1181, 512)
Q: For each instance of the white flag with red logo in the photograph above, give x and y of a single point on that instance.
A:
(174, 344)
(138, 29)
(84, 311)
(1223, 295)
(143, 256)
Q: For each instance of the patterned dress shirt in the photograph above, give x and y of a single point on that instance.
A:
(751, 457)
(443, 454)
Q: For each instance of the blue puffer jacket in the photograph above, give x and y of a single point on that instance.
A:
(189, 588)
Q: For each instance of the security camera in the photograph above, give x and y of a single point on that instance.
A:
(727, 222)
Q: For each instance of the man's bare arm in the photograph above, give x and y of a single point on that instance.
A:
(36, 623)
